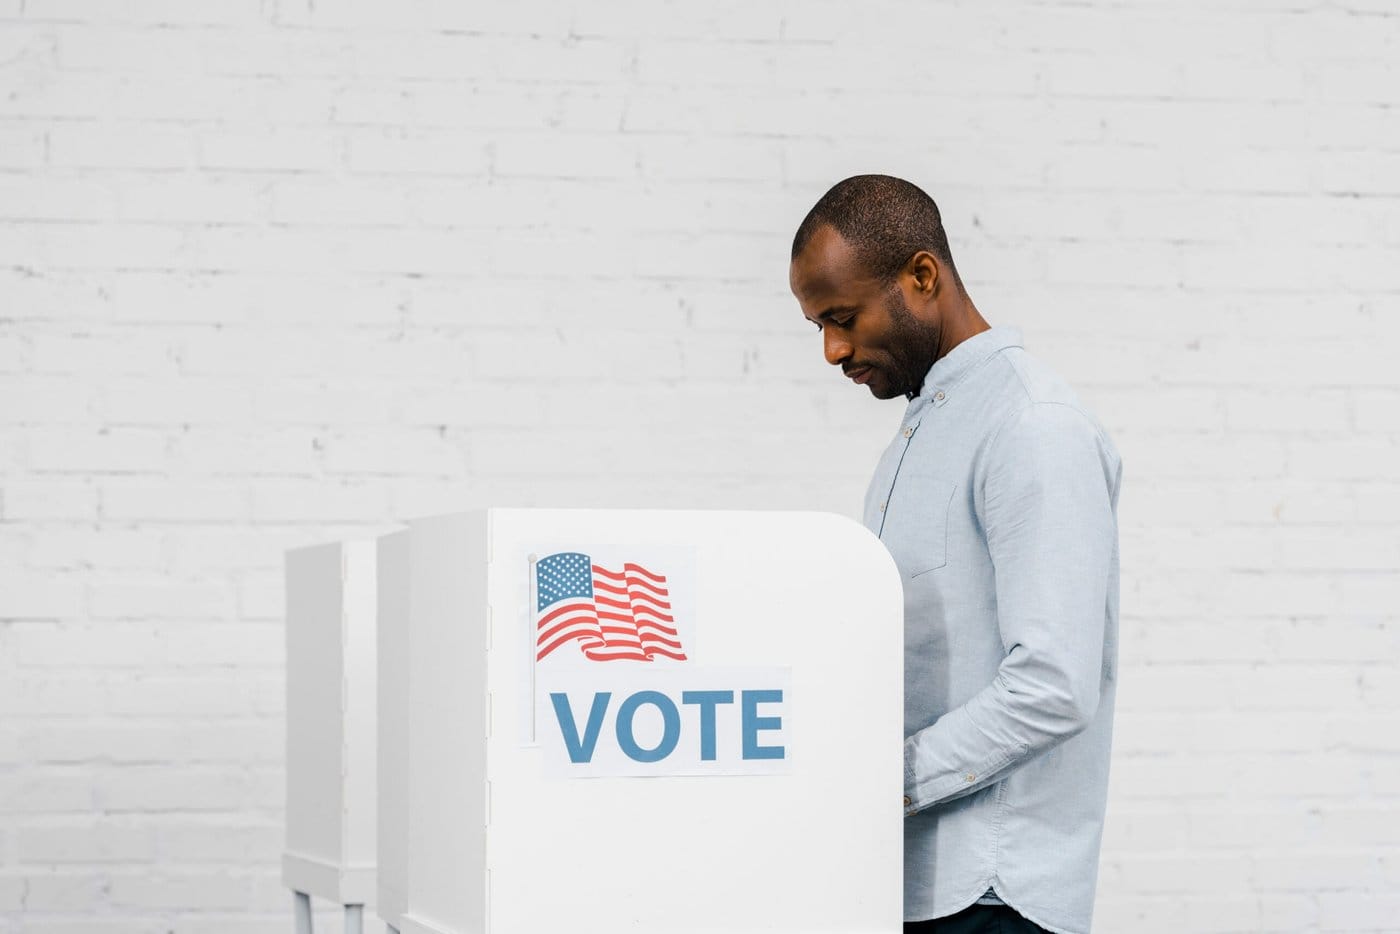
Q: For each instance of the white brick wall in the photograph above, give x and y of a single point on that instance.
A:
(274, 270)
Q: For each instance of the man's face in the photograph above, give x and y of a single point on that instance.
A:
(868, 328)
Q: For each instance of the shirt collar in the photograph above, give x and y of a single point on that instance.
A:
(950, 369)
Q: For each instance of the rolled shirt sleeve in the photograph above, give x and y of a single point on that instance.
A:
(1044, 489)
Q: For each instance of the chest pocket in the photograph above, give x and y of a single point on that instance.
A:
(917, 527)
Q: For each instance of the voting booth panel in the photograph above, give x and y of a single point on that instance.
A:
(331, 723)
(639, 720)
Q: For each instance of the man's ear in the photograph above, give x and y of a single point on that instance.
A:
(924, 268)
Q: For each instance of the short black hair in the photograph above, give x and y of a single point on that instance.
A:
(886, 219)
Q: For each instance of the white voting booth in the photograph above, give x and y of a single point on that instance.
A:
(331, 674)
(652, 721)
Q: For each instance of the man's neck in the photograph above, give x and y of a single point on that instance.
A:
(964, 322)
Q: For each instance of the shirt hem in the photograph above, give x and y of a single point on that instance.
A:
(1032, 917)
(1053, 929)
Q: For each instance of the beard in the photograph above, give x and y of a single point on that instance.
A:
(913, 346)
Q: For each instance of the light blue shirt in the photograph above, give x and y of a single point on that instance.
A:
(998, 500)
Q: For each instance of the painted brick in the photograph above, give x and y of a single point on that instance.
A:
(279, 272)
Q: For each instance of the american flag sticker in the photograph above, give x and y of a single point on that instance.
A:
(592, 609)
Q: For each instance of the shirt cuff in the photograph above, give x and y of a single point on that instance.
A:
(909, 791)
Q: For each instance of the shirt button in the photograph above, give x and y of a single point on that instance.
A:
(908, 432)
(907, 802)
(938, 396)
(970, 776)
(882, 507)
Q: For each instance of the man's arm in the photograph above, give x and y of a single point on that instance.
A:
(1046, 503)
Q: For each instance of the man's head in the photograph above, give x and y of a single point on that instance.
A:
(872, 269)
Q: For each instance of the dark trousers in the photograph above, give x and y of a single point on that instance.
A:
(976, 919)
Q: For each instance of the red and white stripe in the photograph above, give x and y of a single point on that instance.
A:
(629, 618)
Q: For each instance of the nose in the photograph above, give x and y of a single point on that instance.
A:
(836, 348)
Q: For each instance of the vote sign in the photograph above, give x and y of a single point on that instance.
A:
(616, 687)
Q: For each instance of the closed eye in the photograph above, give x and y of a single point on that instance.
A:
(840, 317)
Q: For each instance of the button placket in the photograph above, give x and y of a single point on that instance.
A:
(907, 432)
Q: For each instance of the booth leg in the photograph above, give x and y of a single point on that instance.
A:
(301, 907)
(354, 919)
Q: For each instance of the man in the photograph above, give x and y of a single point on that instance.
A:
(998, 500)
